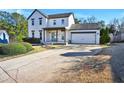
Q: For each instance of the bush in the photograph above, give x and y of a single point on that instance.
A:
(32, 40)
(13, 49)
(28, 46)
(104, 36)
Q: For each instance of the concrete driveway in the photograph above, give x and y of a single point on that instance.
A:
(42, 66)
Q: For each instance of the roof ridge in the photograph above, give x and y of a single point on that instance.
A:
(62, 13)
(39, 12)
(57, 15)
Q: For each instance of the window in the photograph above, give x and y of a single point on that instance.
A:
(40, 32)
(40, 21)
(33, 33)
(63, 35)
(53, 36)
(32, 21)
(54, 22)
(63, 21)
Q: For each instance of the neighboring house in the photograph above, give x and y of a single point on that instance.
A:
(117, 35)
(122, 33)
(4, 37)
(61, 28)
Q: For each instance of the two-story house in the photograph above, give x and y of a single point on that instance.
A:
(61, 28)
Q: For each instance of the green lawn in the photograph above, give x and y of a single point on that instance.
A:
(35, 50)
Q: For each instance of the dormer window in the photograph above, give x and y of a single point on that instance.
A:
(40, 21)
(32, 21)
(54, 22)
(63, 21)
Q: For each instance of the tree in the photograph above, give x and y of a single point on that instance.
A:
(92, 19)
(122, 22)
(112, 29)
(21, 26)
(115, 26)
(83, 20)
(115, 22)
(7, 17)
(101, 24)
(10, 29)
(77, 21)
(15, 24)
(104, 35)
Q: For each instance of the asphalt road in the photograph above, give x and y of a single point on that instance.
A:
(117, 61)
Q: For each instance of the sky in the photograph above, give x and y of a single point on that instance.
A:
(101, 14)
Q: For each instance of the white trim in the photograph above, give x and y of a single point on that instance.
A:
(88, 31)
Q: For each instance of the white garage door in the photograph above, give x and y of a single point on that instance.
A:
(87, 38)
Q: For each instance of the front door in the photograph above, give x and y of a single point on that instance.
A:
(62, 36)
(53, 36)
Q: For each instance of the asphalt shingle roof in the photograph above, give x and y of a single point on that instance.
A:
(87, 26)
(62, 15)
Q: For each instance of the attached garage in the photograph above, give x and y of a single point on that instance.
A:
(85, 34)
(82, 37)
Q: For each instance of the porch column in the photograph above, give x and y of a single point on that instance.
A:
(57, 35)
(66, 37)
(44, 35)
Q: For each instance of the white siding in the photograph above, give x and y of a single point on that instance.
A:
(86, 38)
(70, 21)
(36, 27)
(59, 34)
(58, 22)
(96, 31)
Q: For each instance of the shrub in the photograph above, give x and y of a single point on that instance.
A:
(104, 36)
(32, 40)
(28, 46)
(13, 49)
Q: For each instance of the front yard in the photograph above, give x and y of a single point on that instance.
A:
(95, 69)
(35, 50)
(53, 66)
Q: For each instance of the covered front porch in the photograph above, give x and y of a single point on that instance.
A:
(55, 35)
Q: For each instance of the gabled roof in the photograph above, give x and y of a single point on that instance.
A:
(39, 12)
(87, 26)
(61, 15)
